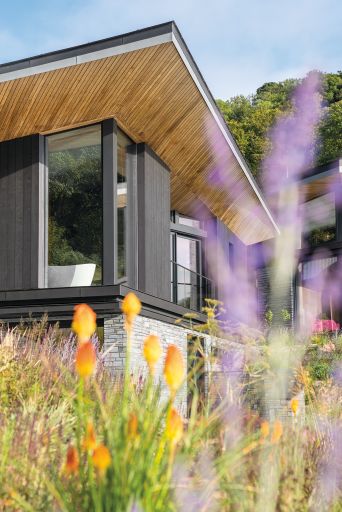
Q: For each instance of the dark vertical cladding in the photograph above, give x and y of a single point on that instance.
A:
(109, 165)
(235, 259)
(132, 215)
(153, 194)
(268, 304)
(22, 213)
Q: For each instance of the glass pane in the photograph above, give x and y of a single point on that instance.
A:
(123, 142)
(75, 208)
(319, 220)
(188, 221)
(187, 253)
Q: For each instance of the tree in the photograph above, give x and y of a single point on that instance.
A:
(251, 117)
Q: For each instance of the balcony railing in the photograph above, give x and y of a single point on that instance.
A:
(189, 288)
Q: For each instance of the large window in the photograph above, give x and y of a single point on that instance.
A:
(123, 143)
(185, 270)
(75, 207)
(319, 220)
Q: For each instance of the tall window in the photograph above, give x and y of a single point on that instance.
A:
(75, 207)
(187, 270)
(123, 143)
(319, 220)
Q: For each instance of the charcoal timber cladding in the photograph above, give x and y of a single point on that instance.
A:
(153, 195)
(22, 215)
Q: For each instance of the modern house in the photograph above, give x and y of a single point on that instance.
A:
(117, 172)
(314, 293)
(319, 294)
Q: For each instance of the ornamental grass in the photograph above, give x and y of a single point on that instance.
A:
(75, 438)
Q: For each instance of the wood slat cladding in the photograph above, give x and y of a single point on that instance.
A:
(153, 221)
(22, 225)
(154, 98)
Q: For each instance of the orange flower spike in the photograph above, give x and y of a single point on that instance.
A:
(131, 307)
(89, 441)
(72, 461)
(277, 431)
(84, 322)
(85, 359)
(132, 426)
(152, 351)
(101, 458)
(174, 368)
(174, 426)
(294, 405)
(265, 429)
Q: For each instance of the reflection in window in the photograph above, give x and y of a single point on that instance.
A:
(75, 207)
(187, 258)
(319, 220)
(123, 142)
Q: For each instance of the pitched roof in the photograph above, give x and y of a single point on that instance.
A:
(148, 81)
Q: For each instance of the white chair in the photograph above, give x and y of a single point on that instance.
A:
(71, 275)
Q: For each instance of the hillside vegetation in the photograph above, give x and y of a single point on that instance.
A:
(250, 118)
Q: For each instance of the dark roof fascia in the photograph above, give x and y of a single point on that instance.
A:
(82, 49)
(315, 173)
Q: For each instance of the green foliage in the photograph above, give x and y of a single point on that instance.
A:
(285, 315)
(269, 317)
(320, 370)
(250, 118)
(330, 146)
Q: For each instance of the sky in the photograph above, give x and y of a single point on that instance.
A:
(237, 44)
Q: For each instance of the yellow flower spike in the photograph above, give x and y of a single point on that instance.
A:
(84, 322)
(174, 426)
(85, 359)
(250, 447)
(294, 405)
(72, 461)
(174, 368)
(131, 307)
(101, 458)
(89, 441)
(152, 351)
(265, 429)
(132, 426)
(277, 431)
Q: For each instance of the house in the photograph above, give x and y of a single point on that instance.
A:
(314, 292)
(318, 293)
(117, 173)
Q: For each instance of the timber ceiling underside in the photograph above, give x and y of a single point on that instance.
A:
(155, 100)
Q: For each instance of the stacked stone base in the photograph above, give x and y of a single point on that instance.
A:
(115, 346)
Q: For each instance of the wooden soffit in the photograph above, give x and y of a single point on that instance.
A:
(321, 180)
(155, 92)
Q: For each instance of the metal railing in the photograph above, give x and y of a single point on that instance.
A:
(189, 288)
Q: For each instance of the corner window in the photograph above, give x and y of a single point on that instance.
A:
(123, 143)
(75, 207)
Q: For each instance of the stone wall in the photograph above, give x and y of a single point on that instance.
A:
(115, 348)
(271, 406)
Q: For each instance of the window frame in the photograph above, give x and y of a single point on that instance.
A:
(109, 176)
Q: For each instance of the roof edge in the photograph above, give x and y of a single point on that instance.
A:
(156, 34)
(93, 46)
(182, 47)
